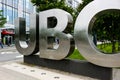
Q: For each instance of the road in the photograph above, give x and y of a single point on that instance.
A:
(9, 54)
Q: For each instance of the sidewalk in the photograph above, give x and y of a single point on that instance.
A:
(7, 74)
(8, 48)
(18, 71)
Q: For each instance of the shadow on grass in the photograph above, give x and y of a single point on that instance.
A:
(76, 55)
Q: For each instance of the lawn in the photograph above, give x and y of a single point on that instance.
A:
(76, 55)
(106, 48)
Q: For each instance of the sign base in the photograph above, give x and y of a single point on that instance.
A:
(73, 66)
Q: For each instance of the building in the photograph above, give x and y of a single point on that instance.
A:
(13, 9)
(73, 3)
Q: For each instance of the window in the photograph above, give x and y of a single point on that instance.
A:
(9, 15)
(75, 4)
(27, 6)
(24, 5)
(15, 14)
(1, 9)
(31, 8)
(24, 15)
(11, 10)
(27, 20)
(0, 6)
(0, 1)
(4, 11)
(15, 3)
(21, 4)
(10, 2)
(70, 2)
(20, 14)
(4, 1)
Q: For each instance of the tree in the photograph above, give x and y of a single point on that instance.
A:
(2, 19)
(50, 4)
(106, 27)
(83, 4)
(42, 5)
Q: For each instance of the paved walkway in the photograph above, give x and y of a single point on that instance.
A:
(7, 74)
(18, 71)
(8, 48)
(14, 70)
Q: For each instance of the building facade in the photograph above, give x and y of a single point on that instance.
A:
(73, 3)
(13, 9)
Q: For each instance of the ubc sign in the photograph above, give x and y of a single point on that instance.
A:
(41, 34)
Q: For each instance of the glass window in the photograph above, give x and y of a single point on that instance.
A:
(27, 20)
(31, 8)
(0, 6)
(0, 9)
(0, 0)
(20, 5)
(9, 2)
(9, 15)
(24, 5)
(20, 14)
(4, 1)
(75, 4)
(70, 2)
(27, 5)
(15, 14)
(24, 15)
(5, 11)
(15, 2)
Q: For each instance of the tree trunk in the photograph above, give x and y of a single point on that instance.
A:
(113, 46)
(118, 45)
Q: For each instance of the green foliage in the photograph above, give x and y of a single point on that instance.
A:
(2, 19)
(76, 55)
(42, 5)
(106, 25)
(83, 4)
(50, 4)
(107, 48)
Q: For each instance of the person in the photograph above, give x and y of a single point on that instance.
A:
(8, 40)
(1, 43)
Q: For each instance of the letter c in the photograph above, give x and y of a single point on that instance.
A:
(82, 34)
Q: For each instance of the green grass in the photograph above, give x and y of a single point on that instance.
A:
(76, 55)
(107, 48)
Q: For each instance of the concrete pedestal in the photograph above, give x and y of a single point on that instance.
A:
(73, 66)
